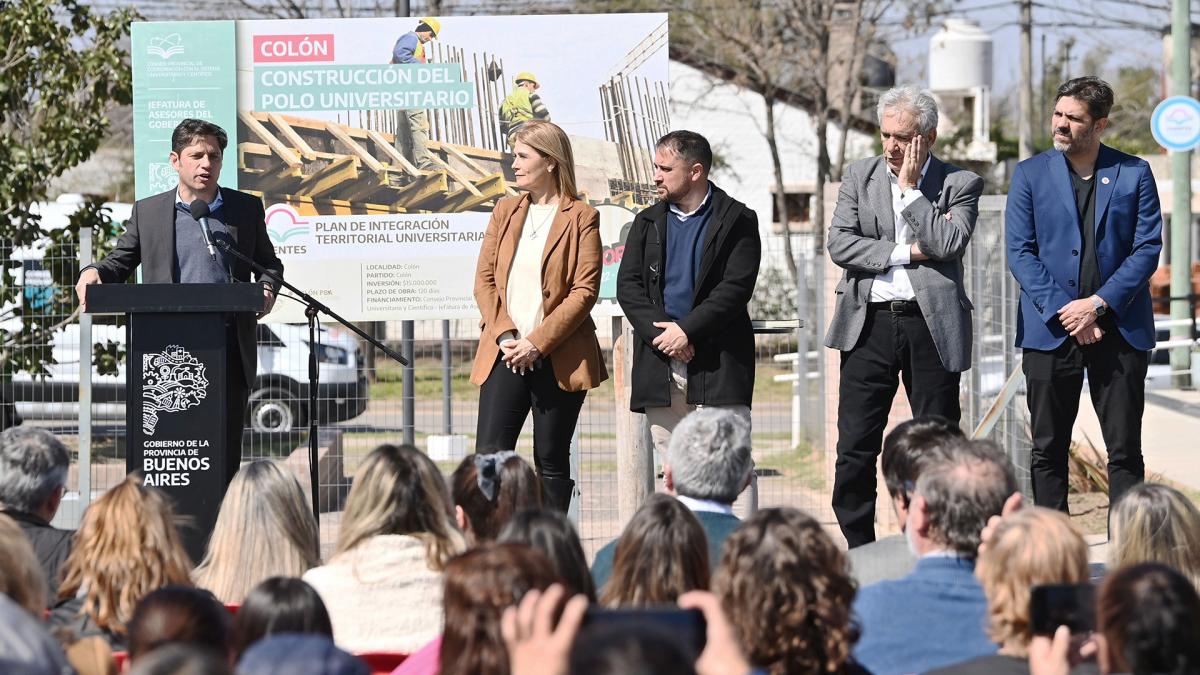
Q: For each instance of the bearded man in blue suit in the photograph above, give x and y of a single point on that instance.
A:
(1084, 231)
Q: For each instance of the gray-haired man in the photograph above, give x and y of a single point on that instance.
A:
(708, 464)
(900, 229)
(33, 478)
(963, 485)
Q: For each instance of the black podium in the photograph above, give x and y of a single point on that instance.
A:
(176, 344)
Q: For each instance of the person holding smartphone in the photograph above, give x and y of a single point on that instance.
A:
(536, 281)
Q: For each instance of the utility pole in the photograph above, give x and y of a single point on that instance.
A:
(1025, 123)
(1181, 198)
(1041, 87)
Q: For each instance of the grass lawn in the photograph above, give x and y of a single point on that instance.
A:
(427, 382)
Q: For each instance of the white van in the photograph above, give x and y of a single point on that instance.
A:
(278, 400)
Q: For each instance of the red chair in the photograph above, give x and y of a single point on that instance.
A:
(382, 663)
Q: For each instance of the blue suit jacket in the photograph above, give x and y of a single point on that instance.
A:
(1041, 228)
(933, 617)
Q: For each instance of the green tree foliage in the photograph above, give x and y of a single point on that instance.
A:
(62, 66)
(1136, 92)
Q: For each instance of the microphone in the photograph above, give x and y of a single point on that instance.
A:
(199, 210)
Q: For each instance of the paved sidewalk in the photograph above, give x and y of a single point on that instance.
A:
(1170, 434)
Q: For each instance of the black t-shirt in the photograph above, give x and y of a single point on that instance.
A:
(1085, 204)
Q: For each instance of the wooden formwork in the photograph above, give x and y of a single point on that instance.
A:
(323, 167)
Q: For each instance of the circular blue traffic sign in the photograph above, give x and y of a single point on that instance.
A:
(1176, 123)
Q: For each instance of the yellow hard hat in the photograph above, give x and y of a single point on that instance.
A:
(434, 24)
(526, 75)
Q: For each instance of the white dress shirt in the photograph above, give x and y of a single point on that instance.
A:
(894, 283)
(708, 505)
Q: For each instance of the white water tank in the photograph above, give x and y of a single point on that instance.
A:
(960, 57)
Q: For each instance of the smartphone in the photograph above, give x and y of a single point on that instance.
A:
(1070, 605)
(685, 627)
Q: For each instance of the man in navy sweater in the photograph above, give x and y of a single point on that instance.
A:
(937, 615)
(687, 275)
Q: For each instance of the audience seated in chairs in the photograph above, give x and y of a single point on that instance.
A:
(1148, 617)
(279, 605)
(181, 659)
(786, 588)
(902, 460)
(126, 547)
(383, 585)
(22, 583)
(708, 464)
(33, 479)
(543, 635)
(1032, 547)
(552, 533)
(21, 576)
(630, 647)
(480, 584)
(488, 489)
(265, 528)
(26, 647)
(179, 615)
(299, 655)
(935, 616)
(1153, 522)
(661, 554)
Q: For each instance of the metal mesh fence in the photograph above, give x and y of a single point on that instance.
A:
(361, 405)
(361, 400)
(994, 292)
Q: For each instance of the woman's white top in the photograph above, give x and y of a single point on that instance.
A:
(381, 595)
(524, 293)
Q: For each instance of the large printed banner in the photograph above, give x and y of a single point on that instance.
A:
(380, 149)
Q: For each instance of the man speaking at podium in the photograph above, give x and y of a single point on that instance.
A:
(169, 235)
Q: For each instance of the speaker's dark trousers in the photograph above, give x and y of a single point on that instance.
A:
(1116, 374)
(895, 346)
(505, 400)
(237, 394)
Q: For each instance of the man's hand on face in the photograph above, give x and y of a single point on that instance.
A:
(915, 155)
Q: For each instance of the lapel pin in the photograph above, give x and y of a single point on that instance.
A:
(1104, 180)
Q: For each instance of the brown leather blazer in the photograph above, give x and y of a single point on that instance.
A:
(571, 267)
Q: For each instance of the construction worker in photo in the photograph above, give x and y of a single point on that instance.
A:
(410, 48)
(522, 105)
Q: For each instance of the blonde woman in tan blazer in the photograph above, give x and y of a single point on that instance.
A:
(536, 282)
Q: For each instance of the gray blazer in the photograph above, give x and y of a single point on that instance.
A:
(863, 234)
(881, 560)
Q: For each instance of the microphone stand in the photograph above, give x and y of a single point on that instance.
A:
(312, 307)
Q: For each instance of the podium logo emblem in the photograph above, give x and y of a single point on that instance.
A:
(172, 381)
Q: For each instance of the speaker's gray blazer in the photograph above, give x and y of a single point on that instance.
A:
(863, 234)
